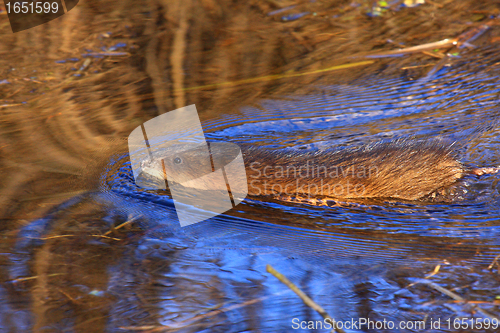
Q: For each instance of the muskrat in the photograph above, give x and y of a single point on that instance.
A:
(401, 169)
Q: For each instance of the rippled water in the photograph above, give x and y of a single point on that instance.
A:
(454, 105)
(356, 260)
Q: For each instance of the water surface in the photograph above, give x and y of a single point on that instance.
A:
(356, 261)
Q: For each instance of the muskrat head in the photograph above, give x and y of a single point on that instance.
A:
(179, 163)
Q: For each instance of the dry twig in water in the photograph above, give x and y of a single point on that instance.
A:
(456, 297)
(307, 301)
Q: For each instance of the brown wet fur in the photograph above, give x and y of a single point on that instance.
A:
(402, 169)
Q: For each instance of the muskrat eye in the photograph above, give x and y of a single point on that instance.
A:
(177, 160)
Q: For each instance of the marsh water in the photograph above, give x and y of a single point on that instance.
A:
(356, 261)
(84, 249)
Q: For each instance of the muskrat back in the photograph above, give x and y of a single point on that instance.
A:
(403, 169)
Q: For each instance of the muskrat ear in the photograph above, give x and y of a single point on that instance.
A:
(177, 160)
